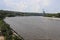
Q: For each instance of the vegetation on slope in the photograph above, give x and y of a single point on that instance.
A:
(53, 15)
(6, 31)
(12, 13)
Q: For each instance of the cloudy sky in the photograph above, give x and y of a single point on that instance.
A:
(30, 5)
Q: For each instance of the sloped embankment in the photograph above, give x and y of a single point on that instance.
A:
(7, 32)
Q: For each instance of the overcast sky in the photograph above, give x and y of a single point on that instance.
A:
(30, 5)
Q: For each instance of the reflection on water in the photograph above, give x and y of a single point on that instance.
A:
(35, 27)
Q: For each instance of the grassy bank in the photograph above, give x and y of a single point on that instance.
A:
(57, 15)
(7, 32)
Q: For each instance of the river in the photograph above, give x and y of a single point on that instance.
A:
(35, 27)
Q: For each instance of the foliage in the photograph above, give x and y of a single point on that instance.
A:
(7, 32)
(5, 29)
(53, 15)
(13, 14)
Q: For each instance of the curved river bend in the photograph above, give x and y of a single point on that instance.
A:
(35, 27)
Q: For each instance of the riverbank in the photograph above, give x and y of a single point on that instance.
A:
(49, 18)
(8, 32)
(52, 18)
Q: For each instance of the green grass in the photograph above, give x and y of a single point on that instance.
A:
(7, 32)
